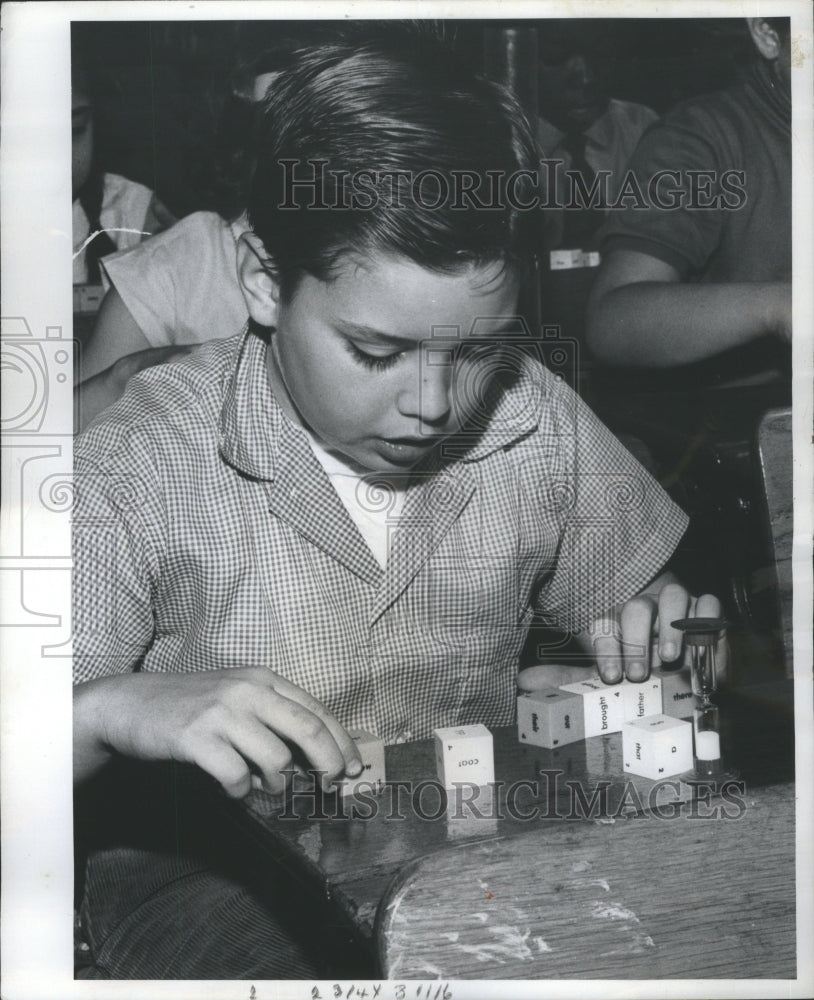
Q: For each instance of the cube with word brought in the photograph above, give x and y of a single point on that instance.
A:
(676, 692)
(657, 746)
(641, 699)
(550, 718)
(464, 753)
(602, 706)
(371, 752)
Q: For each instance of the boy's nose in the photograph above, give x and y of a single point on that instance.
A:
(429, 396)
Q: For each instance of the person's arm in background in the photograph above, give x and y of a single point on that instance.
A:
(640, 313)
(97, 393)
(115, 335)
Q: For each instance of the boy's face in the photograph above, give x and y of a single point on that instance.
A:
(355, 359)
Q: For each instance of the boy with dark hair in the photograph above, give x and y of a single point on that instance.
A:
(348, 515)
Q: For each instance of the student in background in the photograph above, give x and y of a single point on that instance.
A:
(705, 276)
(181, 289)
(110, 212)
(586, 132)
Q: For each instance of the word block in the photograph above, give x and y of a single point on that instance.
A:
(657, 746)
(372, 778)
(641, 699)
(676, 692)
(549, 718)
(464, 753)
(602, 705)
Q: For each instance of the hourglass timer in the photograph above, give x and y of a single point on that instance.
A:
(701, 636)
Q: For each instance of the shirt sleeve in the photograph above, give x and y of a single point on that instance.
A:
(143, 278)
(117, 528)
(618, 528)
(671, 197)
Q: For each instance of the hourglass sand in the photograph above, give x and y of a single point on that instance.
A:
(701, 635)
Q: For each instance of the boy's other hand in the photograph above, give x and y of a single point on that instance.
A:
(238, 725)
(639, 633)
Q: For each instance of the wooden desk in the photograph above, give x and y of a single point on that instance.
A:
(593, 895)
(642, 898)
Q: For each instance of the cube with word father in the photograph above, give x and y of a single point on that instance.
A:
(371, 752)
(657, 746)
(641, 698)
(602, 705)
(464, 753)
(550, 718)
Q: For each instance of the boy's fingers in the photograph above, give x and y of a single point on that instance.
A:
(674, 603)
(636, 620)
(608, 654)
(226, 766)
(313, 728)
(234, 759)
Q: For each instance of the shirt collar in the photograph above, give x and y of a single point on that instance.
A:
(599, 133)
(251, 422)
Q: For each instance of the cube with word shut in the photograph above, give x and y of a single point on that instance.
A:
(676, 692)
(602, 705)
(657, 746)
(371, 752)
(550, 718)
(464, 753)
(641, 699)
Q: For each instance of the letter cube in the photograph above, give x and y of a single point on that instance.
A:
(372, 778)
(642, 699)
(657, 746)
(602, 704)
(676, 692)
(550, 718)
(464, 753)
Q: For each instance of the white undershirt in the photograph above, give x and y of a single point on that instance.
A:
(373, 500)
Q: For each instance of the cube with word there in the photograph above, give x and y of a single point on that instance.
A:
(657, 746)
(371, 752)
(464, 753)
(550, 718)
(676, 692)
(602, 705)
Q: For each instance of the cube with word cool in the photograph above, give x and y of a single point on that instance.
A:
(371, 752)
(464, 753)
(641, 699)
(550, 718)
(657, 746)
(602, 706)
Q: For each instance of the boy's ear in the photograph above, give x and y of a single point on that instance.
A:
(766, 39)
(256, 275)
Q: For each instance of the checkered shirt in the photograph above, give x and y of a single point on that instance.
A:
(207, 535)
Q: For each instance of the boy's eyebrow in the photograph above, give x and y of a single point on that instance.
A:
(360, 330)
(369, 332)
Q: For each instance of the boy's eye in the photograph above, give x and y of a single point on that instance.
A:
(376, 362)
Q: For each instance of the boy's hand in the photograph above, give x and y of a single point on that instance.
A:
(622, 642)
(238, 725)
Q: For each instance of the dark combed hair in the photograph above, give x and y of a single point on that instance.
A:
(408, 110)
